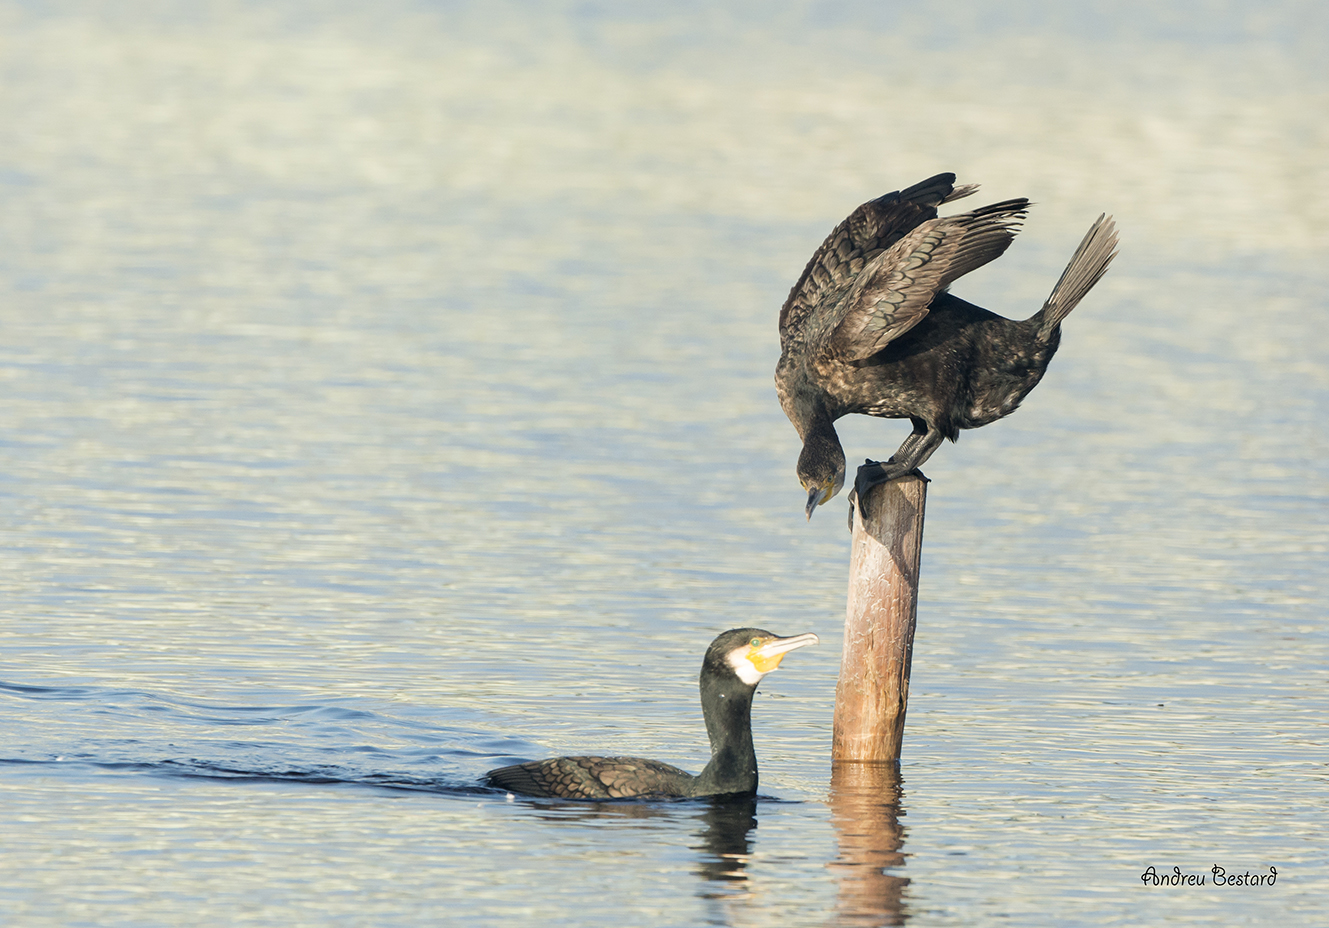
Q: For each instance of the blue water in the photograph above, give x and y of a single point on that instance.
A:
(127, 730)
(388, 397)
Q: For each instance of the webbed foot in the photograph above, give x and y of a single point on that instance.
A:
(873, 473)
(869, 475)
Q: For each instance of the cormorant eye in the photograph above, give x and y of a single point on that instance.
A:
(755, 642)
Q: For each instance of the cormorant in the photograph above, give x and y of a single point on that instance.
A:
(870, 328)
(734, 665)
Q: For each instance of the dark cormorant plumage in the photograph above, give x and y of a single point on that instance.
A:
(870, 328)
(734, 665)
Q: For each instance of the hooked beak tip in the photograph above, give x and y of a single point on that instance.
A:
(782, 646)
(814, 499)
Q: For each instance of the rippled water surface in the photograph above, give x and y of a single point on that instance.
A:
(387, 396)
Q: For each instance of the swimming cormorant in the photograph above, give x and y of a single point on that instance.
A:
(734, 665)
(870, 328)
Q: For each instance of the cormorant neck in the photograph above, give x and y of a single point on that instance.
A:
(810, 414)
(726, 702)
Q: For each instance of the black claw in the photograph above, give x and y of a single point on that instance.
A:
(869, 475)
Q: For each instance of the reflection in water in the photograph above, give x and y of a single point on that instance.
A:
(723, 857)
(723, 852)
(724, 844)
(595, 810)
(726, 823)
(866, 811)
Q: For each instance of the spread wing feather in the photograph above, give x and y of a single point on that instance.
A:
(866, 233)
(894, 290)
(591, 778)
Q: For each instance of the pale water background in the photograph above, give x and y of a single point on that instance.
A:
(386, 395)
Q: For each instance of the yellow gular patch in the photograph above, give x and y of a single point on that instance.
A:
(764, 664)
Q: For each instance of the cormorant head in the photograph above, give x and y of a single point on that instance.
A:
(751, 653)
(821, 469)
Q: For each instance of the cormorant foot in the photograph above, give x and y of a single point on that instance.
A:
(871, 474)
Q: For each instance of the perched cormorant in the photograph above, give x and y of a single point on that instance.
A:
(870, 328)
(734, 665)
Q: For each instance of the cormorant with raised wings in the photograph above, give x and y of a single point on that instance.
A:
(870, 328)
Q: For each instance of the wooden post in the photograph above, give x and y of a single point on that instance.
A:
(873, 691)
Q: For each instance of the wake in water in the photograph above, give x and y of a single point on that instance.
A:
(340, 741)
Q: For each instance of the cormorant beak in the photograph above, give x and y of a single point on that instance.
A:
(814, 499)
(767, 657)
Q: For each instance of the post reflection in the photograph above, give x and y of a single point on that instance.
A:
(865, 800)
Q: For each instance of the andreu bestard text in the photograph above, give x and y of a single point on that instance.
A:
(1219, 875)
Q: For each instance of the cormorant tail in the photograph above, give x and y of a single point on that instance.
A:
(1089, 263)
(519, 778)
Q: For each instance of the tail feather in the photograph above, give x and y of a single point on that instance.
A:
(1087, 265)
(961, 190)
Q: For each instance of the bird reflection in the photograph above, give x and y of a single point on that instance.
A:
(726, 822)
(723, 851)
(725, 847)
(865, 800)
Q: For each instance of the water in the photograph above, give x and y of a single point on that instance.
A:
(389, 397)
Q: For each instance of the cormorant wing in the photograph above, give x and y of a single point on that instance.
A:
(894, 291)
(637, 776)
(866, 233)
(591, 778)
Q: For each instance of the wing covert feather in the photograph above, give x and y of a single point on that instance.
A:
(894, 291)
(866, 233)
(591, 778)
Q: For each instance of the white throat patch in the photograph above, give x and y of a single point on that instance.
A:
(743, 667)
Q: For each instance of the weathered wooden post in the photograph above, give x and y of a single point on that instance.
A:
(873, 691)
